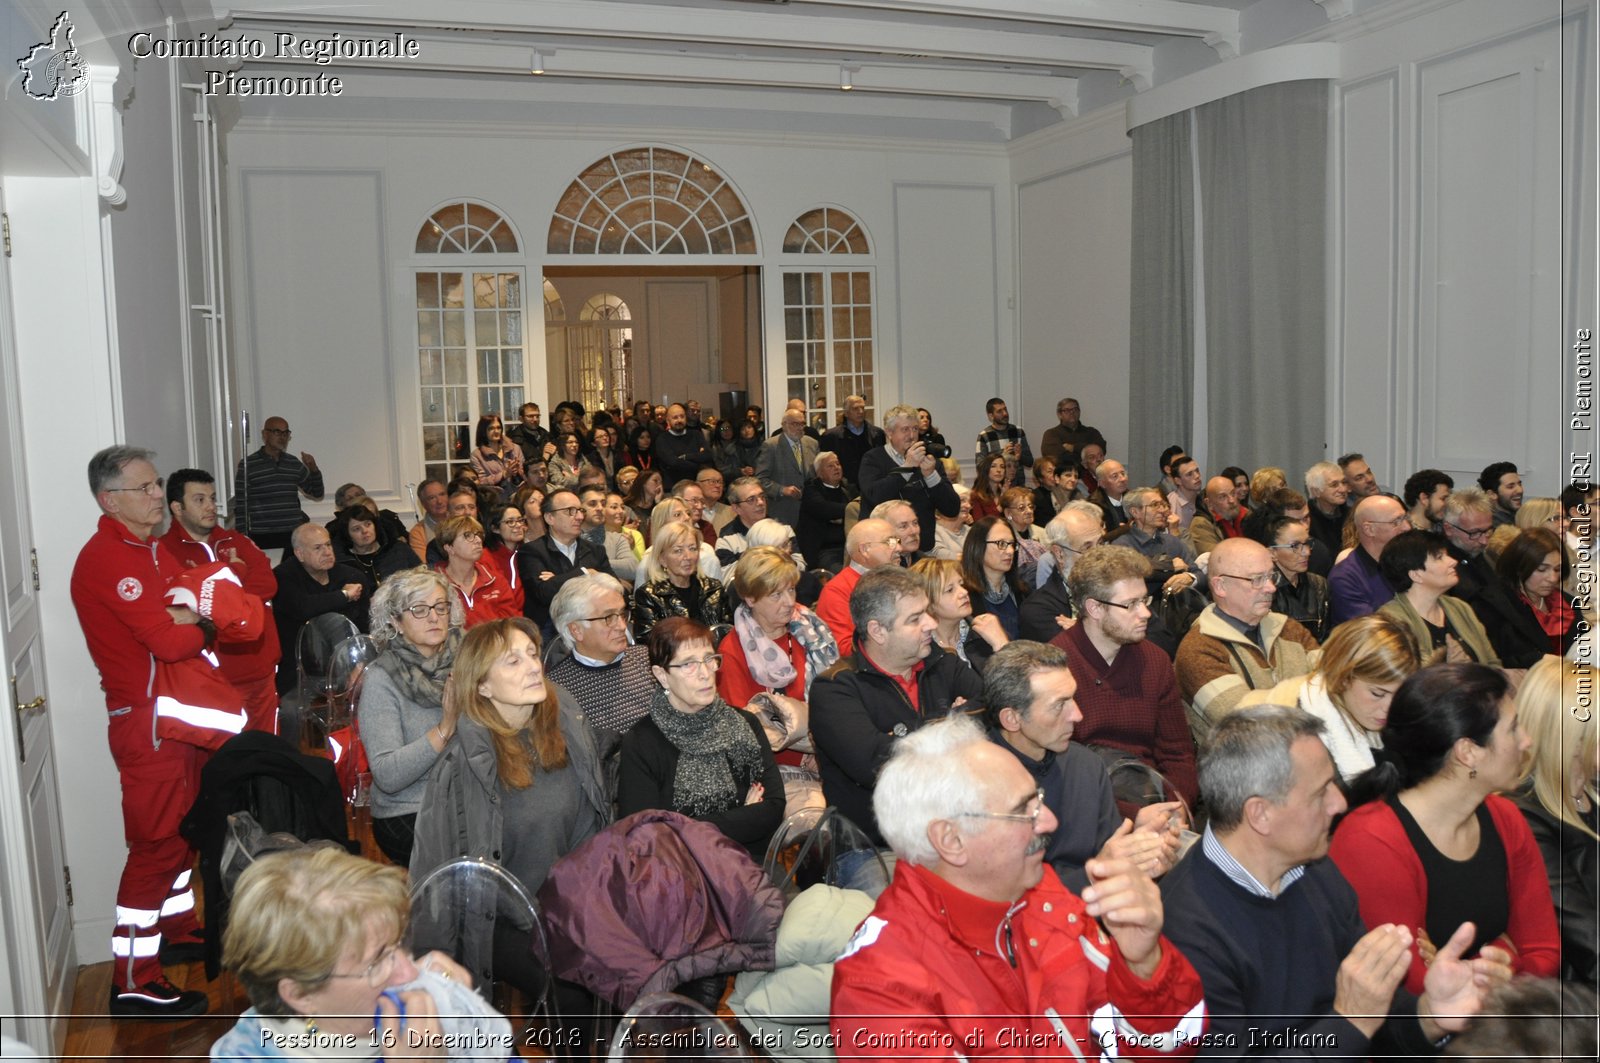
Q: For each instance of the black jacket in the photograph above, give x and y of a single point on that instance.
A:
(851, 448)
(300, 598)
(880, 482)
(680, 457)
(820, 536)
(1572, 863)
(542, 555)
(855, 710)
(1036, 616)
(1514, 631)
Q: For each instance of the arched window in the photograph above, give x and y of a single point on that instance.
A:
(600, 353)
(466, 229)
(651, 201)
(830, 337)
(471, 354)
(826, 231)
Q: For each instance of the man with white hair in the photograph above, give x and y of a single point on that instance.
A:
(853, 439)
(903, 519)
(902, 468)
(1048, 611)
(785, 466)
(310, 583)
(822, 507)
(977, 948)
(1327, 492)
(610, 678)
(1113, 479)
(1467, 519)
(1356, 584)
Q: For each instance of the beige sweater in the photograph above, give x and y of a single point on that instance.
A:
(1219, 670)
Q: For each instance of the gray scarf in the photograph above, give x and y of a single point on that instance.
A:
(420, 678)
(716, 748)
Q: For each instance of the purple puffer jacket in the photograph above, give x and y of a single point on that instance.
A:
(655, 900)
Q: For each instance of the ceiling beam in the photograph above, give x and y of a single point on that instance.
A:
(761, 29)
(1217, 26)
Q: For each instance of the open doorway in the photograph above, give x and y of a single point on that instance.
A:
(617, 334)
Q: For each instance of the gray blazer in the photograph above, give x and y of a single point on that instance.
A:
(777, 470)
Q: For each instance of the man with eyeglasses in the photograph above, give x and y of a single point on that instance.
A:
(894, 679)
(749, 502)
(561, 554)
(117, 590)
(1238, 649)
(871, 544)
(1125, 685)
(903, 469)
(1468, 518)
(1172, 567)
(269, 485)
(609, 676)
(978, 948)
(1048, 611)
(1356, 585)
(713, 509)
(1302, 594)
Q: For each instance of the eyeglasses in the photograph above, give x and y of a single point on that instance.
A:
(513, 522)
(1257, 583)
(150, 487)
(474, 536)
(893, 540)
(1482, 533)
(565, 510)
(1303, 545)
(747, 499)
(378, 972)
(1036, 804)
(284, 432)
(1069, 548)
(611, 619)
(420, 612)
(1150, 505)
(1130, 606)
(708, 663)
(1003, 544)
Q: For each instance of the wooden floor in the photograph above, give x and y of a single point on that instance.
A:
(92, 1034)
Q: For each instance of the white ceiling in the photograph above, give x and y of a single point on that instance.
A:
(973, 69)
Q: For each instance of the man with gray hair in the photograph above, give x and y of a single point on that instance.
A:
(785, 466)
(1274, 928)
(903, 519)
(895, 679)
(1172, 561)
(1031, 709)
(853, 438)
(1048, 611)
(311, 583)
(1467, 520)
(977, 948)
(902, 468)
(1327, 491)
(118, 585)
(610, 678)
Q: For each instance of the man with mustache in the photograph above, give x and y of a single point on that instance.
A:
(977, 948)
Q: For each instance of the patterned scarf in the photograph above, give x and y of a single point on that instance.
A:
(716, 748)
(769, 665)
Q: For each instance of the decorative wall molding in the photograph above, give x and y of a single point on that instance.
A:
(1290, 62)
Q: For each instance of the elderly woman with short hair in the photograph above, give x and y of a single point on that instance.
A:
(318, 940)
(777, 645)
(673, 583)
(418, 621)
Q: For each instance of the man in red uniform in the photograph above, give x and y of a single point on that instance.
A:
(977, 949)
(117, 587)
(195, 539)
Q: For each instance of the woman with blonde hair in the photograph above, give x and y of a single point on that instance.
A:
(1559, 799)
(673, 584)
(1542, 513)
(777, 645)
(672, 508)
(317, 939)
(1263, 482)
(1363, 663)
(972, 638)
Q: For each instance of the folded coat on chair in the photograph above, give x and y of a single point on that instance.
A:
(654, 901)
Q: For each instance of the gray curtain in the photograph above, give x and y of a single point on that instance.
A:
(1161, 337)
(1263, 158)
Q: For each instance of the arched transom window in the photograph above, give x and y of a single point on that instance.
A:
(651, 201)
(826, 231)
(466, 229)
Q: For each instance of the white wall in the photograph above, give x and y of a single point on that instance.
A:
(309, 324)
(1074, 225)
(1453, 152)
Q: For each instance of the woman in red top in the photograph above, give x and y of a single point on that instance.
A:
(485, 594)
(508, 529)
(776, 645)
(989, 484)
(1439, 846)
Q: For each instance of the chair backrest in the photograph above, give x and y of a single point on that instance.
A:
(667, 1025)
(461, 906)
(822, 845)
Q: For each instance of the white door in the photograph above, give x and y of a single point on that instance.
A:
(36, 938)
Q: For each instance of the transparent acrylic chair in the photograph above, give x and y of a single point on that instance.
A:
(663, 1025)
(823, 845)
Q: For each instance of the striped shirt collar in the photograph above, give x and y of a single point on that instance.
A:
(1218, 854)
